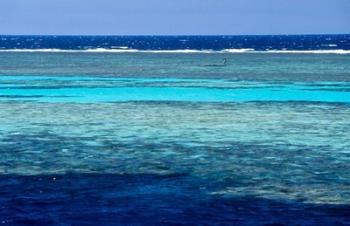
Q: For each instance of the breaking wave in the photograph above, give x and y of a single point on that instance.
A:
(127, 50)
(332, 51)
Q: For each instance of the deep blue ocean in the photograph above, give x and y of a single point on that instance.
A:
(216, 43)
(175, 130)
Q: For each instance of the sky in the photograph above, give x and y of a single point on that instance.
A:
(174, 17)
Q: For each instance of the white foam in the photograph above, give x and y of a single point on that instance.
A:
(119, 47)
(97, 50)
(237, 50)
(127, 50)
(333, 51)
(102, 50)
(178, 51)
(33, 50)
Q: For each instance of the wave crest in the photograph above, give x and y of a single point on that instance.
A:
(238, 50)
(331, 51)
(127, 50)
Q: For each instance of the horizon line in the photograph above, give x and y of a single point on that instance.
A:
(174, 35)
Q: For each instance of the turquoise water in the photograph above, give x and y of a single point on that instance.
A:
(96, 89)
(166, 139)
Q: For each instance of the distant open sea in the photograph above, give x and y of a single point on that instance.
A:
(189, 44)
(175, 130)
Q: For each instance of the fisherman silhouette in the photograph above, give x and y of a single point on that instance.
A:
(223, 64)
(224, 61)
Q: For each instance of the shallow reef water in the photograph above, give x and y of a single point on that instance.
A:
(80, 149)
